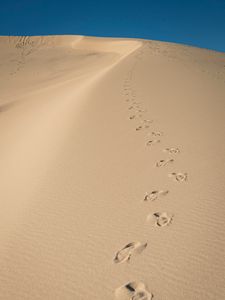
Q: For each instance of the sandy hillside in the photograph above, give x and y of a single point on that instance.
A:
(112, 170)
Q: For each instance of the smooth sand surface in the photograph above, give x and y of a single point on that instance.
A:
(112, 170)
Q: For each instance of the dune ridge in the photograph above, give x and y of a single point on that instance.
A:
(111, 169)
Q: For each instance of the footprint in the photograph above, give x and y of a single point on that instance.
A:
(157, 133)
(146, 126)
(155, 195)
(131, 107)
(172, 150)
(160, 219)
(152, 142)
(134, 290)
(164, 162)
(132, 117)
(146, 121)
(180, 177)
(129, 250)
(141, 110)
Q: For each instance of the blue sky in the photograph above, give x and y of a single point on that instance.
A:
(194, 22)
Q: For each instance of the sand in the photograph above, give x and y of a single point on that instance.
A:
(112, 168)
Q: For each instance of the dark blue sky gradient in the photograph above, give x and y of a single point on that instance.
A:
(194, 22)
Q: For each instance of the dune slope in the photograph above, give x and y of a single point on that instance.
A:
(112, 169)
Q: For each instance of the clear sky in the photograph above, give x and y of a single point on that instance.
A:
(194, 22)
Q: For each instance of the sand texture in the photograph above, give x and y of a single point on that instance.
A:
(112, 170)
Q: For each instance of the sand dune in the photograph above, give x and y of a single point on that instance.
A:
(112, 169)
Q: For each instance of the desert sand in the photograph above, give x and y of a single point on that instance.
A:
(112, 170)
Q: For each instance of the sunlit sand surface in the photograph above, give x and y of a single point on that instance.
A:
(112, 156)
